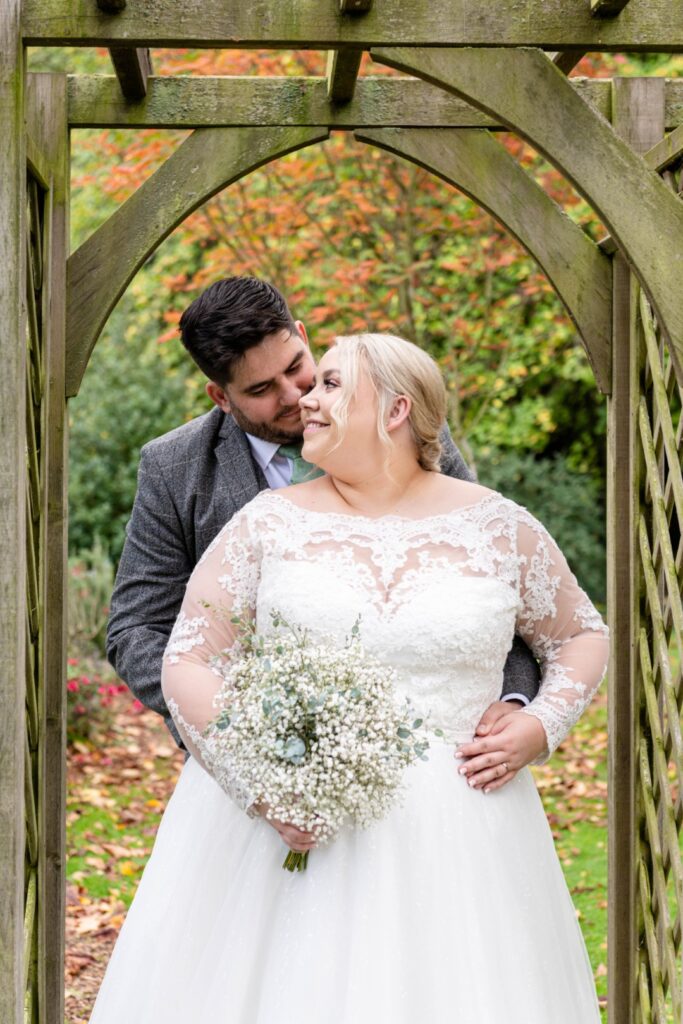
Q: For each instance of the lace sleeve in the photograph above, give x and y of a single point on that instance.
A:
(562, 628)
(222, 587)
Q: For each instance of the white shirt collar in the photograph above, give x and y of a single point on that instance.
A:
(263, 451)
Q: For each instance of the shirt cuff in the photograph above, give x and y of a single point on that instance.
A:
(516, 696)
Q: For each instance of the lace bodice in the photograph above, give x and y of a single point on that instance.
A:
(439, 598)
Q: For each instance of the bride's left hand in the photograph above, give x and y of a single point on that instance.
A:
(493, 760)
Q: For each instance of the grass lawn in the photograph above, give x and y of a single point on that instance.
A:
(118, 790)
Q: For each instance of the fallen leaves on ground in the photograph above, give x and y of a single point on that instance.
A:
(117, 790)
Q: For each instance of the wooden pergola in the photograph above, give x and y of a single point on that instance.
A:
(475, 68)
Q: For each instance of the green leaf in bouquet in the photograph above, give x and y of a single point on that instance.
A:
(417, 723)
(223, 720)
(294, 750)
(403, 732)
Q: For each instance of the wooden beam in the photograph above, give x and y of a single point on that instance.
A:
(607, 8)
(312, 24)
(133, 66)
(566, 60)
(342, 74)
(524, 89)
(638, 112)
(666, 152)
(12, 512)
(46, 109)
(343, 65)
(95, 101)
(101, 269)
(622, 610)
(474, 162)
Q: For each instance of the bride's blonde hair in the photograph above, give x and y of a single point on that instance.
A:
(395, 367)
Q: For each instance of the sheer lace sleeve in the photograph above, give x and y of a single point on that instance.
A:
(222, 587)
(562, 628)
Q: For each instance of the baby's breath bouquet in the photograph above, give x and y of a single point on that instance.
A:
(315, 729)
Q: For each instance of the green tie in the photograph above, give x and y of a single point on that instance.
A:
(301, 470)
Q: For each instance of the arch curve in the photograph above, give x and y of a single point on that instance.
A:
(473, 161)
(101, 269)
(212, 159)
(526, 91)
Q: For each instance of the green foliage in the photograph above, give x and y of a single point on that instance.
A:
(91, 689)
(131, 393)
(571, 505)
(90, 582)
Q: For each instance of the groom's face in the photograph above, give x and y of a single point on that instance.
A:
(266, 386)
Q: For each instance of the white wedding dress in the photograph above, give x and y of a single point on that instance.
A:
(451, 909)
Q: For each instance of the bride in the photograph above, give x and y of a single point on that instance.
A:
(453, 908)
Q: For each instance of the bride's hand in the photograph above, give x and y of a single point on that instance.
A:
(295, 838)
(493, 760)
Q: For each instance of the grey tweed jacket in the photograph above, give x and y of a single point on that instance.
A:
(191, 482)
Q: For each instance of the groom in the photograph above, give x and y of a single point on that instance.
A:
(192, 480)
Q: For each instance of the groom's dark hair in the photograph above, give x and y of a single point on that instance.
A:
(231, 316)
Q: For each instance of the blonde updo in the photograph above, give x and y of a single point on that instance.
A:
(395, 367)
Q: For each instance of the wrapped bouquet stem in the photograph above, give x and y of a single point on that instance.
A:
(314, 730)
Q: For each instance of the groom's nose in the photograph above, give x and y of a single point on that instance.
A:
(290, 393)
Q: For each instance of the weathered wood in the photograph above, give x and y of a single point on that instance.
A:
(296, 24)
(622, 609)
(95, 101)
(528, 92)
(607, 8)
(343, 65)
(566, 60)
(12, 514)
(46, 108)
(100, 270)
(638, 119)
(474, 162)
(342, 74)
(666, 152)
(133, 66)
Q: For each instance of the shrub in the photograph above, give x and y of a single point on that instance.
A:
(570, 505)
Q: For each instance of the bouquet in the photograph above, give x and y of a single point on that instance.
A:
(314, 730)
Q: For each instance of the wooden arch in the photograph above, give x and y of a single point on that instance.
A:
(479, 68)
(213, 158)
(529, 94)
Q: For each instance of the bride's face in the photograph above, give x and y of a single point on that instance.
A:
(321, 436)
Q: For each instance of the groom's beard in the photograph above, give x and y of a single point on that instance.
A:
(279, 431)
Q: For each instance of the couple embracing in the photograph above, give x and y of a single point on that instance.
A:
(333, 495)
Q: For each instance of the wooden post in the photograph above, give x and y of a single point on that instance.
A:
(46, 110)
(638, 116)
(12, 513)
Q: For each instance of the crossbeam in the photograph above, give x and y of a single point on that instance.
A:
(320, 25)
(95, 101)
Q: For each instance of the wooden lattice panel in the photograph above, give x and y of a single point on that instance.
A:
(659, 647)
(34, 401)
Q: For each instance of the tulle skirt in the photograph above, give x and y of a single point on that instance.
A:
(452, 909)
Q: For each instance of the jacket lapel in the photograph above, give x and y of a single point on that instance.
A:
(239, 475)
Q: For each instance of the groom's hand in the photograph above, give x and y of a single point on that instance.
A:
(491, 761)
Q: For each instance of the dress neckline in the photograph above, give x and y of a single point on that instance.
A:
(349, 516)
